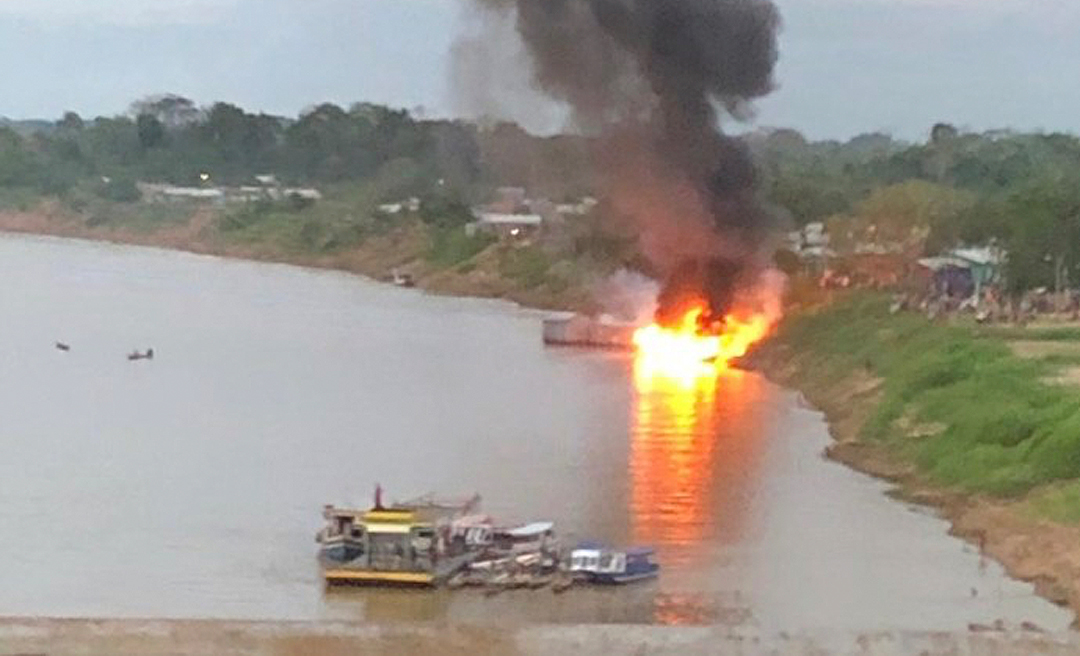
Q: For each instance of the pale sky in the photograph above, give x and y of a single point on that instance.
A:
(847, 66)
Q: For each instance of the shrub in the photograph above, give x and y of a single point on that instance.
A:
(119, 190)
(452, 246)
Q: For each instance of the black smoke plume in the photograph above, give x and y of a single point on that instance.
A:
(652, 80)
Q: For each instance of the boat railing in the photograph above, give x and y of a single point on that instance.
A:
(432, 502)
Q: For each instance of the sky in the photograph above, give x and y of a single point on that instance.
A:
(846, 67)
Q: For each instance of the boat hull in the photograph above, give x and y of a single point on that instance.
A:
(340, 550)
(623, 579)
(347, 576)
(360, 574)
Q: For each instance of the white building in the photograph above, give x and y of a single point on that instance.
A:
(506, 225)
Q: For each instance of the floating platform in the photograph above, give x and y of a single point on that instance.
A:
(403, 544)
(344, 576)
(588, 332)
(364, 574)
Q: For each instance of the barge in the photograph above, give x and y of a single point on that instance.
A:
(428, 542)
(589, 332)
(421, 542)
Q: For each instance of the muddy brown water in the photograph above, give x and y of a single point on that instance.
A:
(190, 486)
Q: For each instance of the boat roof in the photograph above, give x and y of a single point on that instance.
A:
(432, 502)
(590, 549)
(473, 520)
(586, 552)
(427, 509)
(530, 530)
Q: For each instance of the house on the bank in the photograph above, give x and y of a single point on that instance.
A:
(506, 226)
(165, 193)
(411, 205)
(509, 200)
(984, 262)
(964, 272)
(304, 193)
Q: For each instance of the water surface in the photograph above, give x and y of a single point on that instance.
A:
(191, 486)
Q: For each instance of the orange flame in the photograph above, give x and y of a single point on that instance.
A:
(685, 352)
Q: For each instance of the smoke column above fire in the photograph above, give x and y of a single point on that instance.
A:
(651, 80)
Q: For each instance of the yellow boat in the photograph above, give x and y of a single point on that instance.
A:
(409, 543)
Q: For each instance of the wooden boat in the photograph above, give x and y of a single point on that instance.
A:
(342, 538)
(135, 355)
(534, 538)
(540, 581)
(402, 279)
(563, 582)
(614, 567)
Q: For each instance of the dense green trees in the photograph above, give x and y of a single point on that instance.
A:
(170, 139)
(1016, 190)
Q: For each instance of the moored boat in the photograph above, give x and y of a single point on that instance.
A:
(534, 538)
(342, 539)
(406, 543)
(603, 566)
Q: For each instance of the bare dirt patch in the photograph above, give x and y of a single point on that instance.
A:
(1035, 349)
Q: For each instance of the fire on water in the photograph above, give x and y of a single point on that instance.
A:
(687, 347)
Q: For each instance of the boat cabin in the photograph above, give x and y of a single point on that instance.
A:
(342, 523)
(399, 544)
(538, 536)
(472, 532)
(613, 566)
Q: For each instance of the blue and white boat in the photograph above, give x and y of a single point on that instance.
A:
(596, 564)
(342, 539)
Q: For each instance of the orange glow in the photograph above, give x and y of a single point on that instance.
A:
(693, 460)
(685, 352)
(672, 453)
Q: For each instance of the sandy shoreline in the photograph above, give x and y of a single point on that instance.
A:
(1040, 552)
(56, 637)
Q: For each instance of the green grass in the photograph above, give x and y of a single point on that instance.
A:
(137, 216)
(1061, 361)
(1058, 503)
(323, 227)
(528, 266)
(21, 199)
(452, 247)
(1007, 429)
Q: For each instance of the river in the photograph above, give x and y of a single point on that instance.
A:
(191, 486)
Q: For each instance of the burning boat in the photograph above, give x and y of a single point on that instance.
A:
(419, 542)
(686, 343)
(590, 332)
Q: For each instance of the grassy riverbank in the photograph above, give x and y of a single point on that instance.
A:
(982, 422)
(329, 235)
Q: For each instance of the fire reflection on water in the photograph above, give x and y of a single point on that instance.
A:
(693, 454)
(693, 463)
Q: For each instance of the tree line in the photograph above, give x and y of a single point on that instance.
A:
(1020, 191)
(171, 139)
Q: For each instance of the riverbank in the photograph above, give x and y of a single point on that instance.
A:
(977, 422)
(199, 638)
(512, 272)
